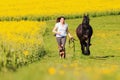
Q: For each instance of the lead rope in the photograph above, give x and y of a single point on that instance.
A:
(72, 40)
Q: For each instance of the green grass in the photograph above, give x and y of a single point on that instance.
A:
(102, 64)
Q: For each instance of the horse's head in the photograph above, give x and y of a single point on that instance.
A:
(86, 19)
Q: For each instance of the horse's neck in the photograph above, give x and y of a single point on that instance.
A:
(85, 26)
(85, 23)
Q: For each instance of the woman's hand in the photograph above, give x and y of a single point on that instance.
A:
(71, 36)
(58, 33)
(55, 31)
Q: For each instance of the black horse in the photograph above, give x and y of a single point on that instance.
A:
(84, 32)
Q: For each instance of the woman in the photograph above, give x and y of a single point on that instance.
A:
(61, 31)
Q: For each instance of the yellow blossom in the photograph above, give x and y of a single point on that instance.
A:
(61, 72)
(51, 71)
(65, 65)
(26, 53)
(106, 71)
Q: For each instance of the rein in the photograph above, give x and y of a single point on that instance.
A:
(72, 41)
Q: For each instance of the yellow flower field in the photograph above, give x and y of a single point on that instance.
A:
(20, 42)
(53, 7)
(21, 32)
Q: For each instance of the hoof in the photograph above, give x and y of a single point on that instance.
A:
(90, 44)
(86, 53)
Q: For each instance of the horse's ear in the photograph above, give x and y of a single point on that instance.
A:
(86, 14)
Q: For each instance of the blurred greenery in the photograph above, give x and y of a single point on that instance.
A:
(53, 17)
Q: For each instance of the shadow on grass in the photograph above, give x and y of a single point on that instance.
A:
(103, 57)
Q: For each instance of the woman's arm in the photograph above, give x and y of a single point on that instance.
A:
(55, 30)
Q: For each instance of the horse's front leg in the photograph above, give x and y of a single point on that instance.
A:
(87, 47)
(82, 47)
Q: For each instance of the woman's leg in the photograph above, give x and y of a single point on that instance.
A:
(59, 43)
(63, 41)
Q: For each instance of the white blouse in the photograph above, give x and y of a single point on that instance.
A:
(62, 28)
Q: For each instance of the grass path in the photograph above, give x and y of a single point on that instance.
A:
(103, 63)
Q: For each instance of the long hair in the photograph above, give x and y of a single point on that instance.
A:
(58, 19)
